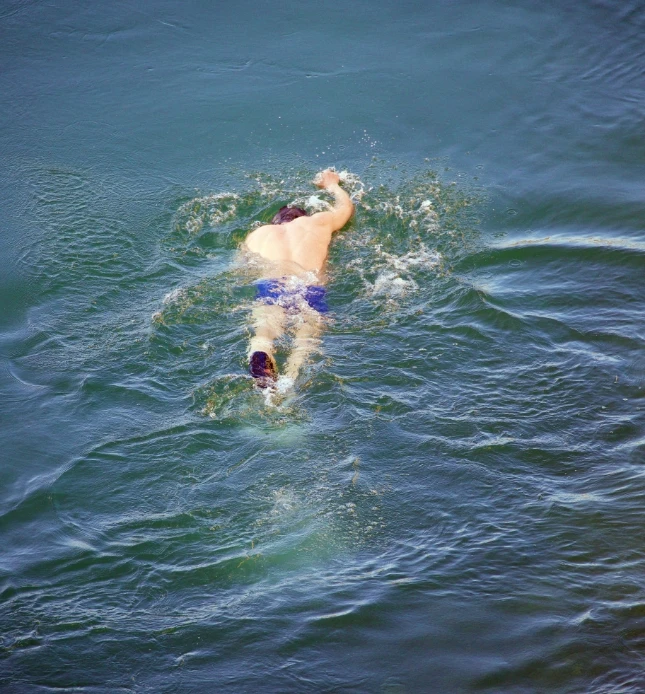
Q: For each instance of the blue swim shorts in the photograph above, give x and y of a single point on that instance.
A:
(290, 295)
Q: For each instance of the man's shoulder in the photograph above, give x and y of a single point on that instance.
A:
(265, 227)
(257, 237)
(262, 231)
(316, 222)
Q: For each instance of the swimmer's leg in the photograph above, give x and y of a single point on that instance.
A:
(305, 341)
(268, 324)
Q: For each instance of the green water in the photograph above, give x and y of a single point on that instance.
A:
(451, 499)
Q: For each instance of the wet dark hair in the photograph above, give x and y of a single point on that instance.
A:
(288, 214)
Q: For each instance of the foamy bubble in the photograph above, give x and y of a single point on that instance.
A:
(316, 204)
(394, 273)
(353, 184)
(269, 394)
(284, 501)
(312, 203)
(211, 209)
(390, 284)
(173, 296)
(283, 386)
(422, 257)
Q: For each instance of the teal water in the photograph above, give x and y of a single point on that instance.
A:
(452, 499)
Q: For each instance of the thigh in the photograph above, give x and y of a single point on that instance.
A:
(268, 319)
(307, 325)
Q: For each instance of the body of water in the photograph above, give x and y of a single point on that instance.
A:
(452, 498)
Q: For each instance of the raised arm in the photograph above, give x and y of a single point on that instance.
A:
(343, 208)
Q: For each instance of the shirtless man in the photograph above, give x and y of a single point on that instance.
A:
(294, 249)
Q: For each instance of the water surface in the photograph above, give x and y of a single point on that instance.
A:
(452, 499)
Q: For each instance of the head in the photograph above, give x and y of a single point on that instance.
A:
(288, 214)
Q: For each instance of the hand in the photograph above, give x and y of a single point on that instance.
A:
(326, 178)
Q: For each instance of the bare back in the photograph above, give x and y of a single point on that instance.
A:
(303, 242)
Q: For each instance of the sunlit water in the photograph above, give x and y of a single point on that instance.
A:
(450, 498)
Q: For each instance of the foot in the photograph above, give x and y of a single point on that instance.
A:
(263, 369)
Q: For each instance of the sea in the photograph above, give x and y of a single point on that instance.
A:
(451, 496)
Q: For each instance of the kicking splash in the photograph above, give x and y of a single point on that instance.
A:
(406, 235)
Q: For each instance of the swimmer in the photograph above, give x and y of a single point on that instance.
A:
(293, 249)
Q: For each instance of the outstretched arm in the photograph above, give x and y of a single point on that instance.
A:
(343, 208)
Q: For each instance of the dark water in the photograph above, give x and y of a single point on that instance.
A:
(453, 500)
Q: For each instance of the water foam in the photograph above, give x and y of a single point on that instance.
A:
(391, 285)
(353, 184)
(394, 273)
(212, 209)
(275, 395)
(173, 296)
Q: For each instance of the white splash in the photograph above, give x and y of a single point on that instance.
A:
(173, 296)
(213, 209)
(316, 204)
(284, 501)
(394, 278)
(283, 387)
(419, 258)
(284, 384)
(355, 187)
(392, 285)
